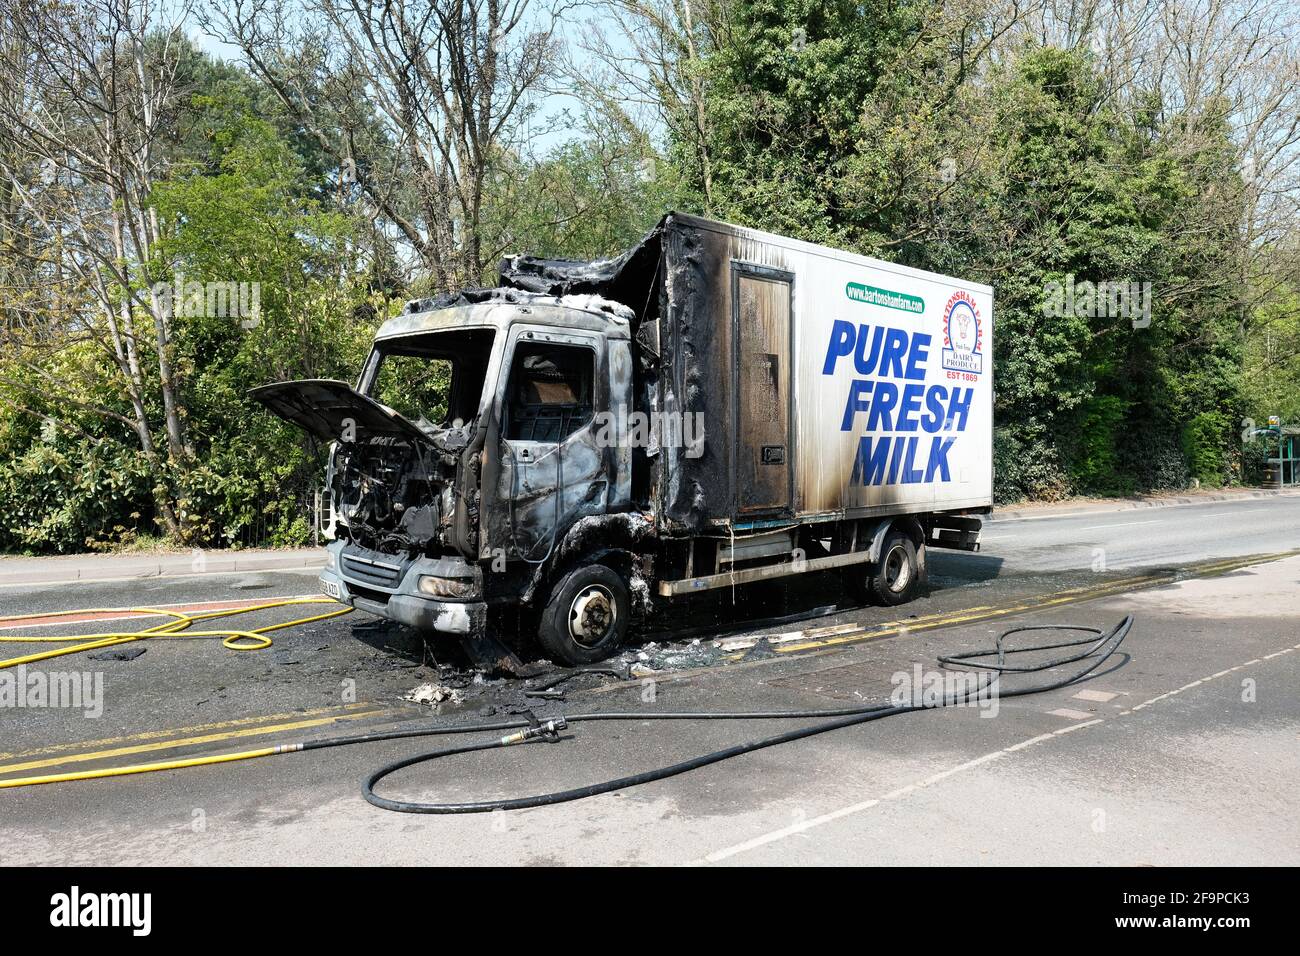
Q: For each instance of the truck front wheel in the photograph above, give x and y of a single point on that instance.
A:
(586, 618)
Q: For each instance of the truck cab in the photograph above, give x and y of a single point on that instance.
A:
(477, 433)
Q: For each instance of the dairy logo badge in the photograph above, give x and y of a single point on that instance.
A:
(963, 338)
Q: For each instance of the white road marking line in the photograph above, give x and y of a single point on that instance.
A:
(1122, 524)
(804, 825)
(1074, 727)
(1070, 714)
(784, 832)
(1062, 514)
(944, 774)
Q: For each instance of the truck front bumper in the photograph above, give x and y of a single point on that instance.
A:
(405, 603)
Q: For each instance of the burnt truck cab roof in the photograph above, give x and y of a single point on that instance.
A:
(500, 308)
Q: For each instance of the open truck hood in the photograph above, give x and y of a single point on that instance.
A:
(320, 406)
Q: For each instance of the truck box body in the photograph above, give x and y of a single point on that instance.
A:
(827, 384)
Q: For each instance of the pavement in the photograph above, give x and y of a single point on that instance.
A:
(1182, 752)
(63, 569)
(1034, 509)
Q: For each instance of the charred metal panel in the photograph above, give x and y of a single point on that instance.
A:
(700, 354)
(542, 482)
(628, 278)
(546, 486)
(587, 312)
(621, 373)
(697, 361)
(331, 411)
(761, 300)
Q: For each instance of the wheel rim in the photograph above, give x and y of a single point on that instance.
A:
(898, 570)
(592, 615)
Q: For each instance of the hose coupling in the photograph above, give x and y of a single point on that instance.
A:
(550, 730)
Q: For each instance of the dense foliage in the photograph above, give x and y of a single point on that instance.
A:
(898, 129)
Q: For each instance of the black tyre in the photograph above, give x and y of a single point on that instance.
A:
(896, 578)
(587, 617)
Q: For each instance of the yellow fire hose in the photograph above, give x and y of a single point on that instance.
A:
(177, 627)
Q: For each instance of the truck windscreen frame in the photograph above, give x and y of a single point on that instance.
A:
(449, 391)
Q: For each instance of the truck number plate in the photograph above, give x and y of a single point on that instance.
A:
(332, 589)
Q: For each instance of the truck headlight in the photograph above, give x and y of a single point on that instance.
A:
(331, 562)
(446, 587)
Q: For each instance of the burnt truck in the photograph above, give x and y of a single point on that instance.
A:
(716, 408)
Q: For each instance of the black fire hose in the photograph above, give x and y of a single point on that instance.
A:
(1098, 645)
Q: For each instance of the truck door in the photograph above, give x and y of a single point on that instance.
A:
(552, 468)
(761, 332)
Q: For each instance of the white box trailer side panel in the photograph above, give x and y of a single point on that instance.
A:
(894, 387)
(890, 381)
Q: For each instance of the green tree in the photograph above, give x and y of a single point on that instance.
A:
(255, 222)
(592, 196)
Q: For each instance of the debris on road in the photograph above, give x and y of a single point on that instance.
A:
(551, 689)
(434, 694)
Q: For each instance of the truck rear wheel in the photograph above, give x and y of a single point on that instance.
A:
(892, 580)
(587, 617)
(895, 578)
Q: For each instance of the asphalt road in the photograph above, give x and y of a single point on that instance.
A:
(1182, 753)
(1143, 537)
